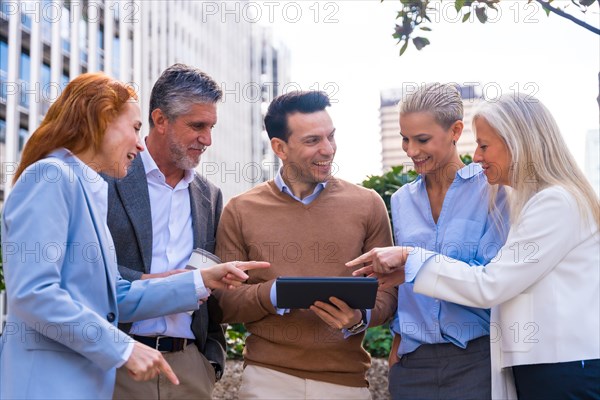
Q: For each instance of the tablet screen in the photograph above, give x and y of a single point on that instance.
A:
(302, 292)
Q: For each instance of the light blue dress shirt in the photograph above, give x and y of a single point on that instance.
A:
(285, 189)
(466, 231)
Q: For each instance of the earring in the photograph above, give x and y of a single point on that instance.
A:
(454, 142)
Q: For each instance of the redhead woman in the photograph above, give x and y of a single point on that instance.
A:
(65, 295)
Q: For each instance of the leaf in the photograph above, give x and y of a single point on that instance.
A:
(403, 30)
(420, 42)
(424, 28)
(404, 47)
(547, 10)
(466, 17)
(481, 14)
(458, 4)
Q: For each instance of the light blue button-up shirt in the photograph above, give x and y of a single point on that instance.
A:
(466, 231)
(285, 189)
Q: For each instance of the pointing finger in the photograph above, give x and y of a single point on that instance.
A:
(166, 369)
(360, 260)
(249, 265)
(363, 271)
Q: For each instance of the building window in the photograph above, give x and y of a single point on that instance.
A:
(23, 134)
(65, 29)
(116, 59)
(46, 90)
(5, 9)
(83, 56)
(2, 131)
(3, 69)
(46, 21)
(24, 75)
(100, 49)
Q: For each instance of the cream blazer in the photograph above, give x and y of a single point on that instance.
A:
(543, 288)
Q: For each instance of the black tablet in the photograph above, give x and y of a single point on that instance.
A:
(302, 292)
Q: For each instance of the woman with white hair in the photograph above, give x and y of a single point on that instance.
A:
(544, 285)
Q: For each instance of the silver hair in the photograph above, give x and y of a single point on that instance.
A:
(180, 87)
(540, 157)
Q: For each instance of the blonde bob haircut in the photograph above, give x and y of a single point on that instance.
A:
(540, 157)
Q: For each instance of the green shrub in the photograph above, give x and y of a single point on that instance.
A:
(236, 337)
(378, 341)
(388, 183)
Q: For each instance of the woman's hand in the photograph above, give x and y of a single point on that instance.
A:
(146, 363)
(229, 275)
(381, 260)
(393, 279)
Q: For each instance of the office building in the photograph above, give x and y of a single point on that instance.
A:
(44, 44)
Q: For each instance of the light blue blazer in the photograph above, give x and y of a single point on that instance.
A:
(65, 295)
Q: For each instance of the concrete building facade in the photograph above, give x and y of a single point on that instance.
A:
(44, 44)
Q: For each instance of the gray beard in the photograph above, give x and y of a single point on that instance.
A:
(180, 157)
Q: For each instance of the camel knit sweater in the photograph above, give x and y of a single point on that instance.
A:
(264, 224)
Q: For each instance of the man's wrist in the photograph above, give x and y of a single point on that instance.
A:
(360, 325)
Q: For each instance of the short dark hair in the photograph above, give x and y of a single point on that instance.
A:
(289, 103)
(179, 87)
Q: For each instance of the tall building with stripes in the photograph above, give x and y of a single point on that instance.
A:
(44, 44)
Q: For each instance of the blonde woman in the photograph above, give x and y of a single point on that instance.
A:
(544, 285)
(441, 349)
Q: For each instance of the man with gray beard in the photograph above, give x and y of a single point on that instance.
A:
(157, 215)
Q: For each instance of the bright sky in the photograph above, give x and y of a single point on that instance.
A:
(350, 49)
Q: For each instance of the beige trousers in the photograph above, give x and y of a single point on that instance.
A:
(264, 383)
(196, 379)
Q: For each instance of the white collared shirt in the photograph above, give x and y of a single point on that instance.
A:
(172, 243)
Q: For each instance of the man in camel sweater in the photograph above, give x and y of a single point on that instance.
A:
(306, 223)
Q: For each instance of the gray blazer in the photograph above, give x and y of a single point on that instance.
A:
(130, 223)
